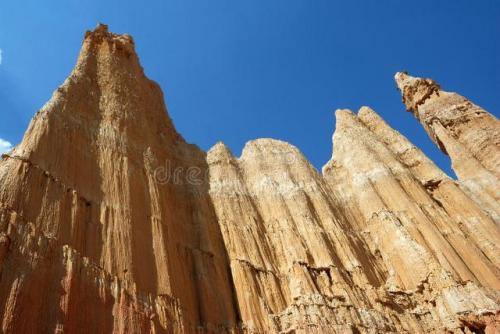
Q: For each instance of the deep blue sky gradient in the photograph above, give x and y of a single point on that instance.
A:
(239, 70)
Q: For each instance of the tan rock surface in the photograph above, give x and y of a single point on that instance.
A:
(429, 234)
(111, 223)
(467, 133)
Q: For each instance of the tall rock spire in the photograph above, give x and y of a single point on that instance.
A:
(428, 234)
(467, 133)
(82, 187)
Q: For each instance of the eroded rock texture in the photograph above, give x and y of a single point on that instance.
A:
(111, 223)
(94, 241)
(440, 249)
(467, 133)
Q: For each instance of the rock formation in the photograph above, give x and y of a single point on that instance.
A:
(95, 241)
(111, 223)
(467, 133)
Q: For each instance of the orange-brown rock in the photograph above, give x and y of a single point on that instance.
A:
(96, 243)
(111, 223)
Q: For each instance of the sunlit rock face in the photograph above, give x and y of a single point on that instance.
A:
(467, 133)
(99, 242)
(111, 223)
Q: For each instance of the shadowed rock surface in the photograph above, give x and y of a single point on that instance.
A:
(111, 223)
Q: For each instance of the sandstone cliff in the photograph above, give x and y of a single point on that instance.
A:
(111, 223)
(95, 241)
(467, 133)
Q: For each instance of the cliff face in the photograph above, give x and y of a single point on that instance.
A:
(467, 133)
(95, 241)
(111, 223)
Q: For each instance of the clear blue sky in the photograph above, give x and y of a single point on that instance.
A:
(236, 70)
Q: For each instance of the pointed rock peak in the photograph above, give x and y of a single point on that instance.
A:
(415, 91)
(104, 49)
(370, 118)
(101, 33)
(366, 113)
(344, 118)
(350, 135)
(343, 114)
(106, 99)
(101, 28)
(347, 127)
(402, 79)
(219, 152)
(340, 113)
(221, 147)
